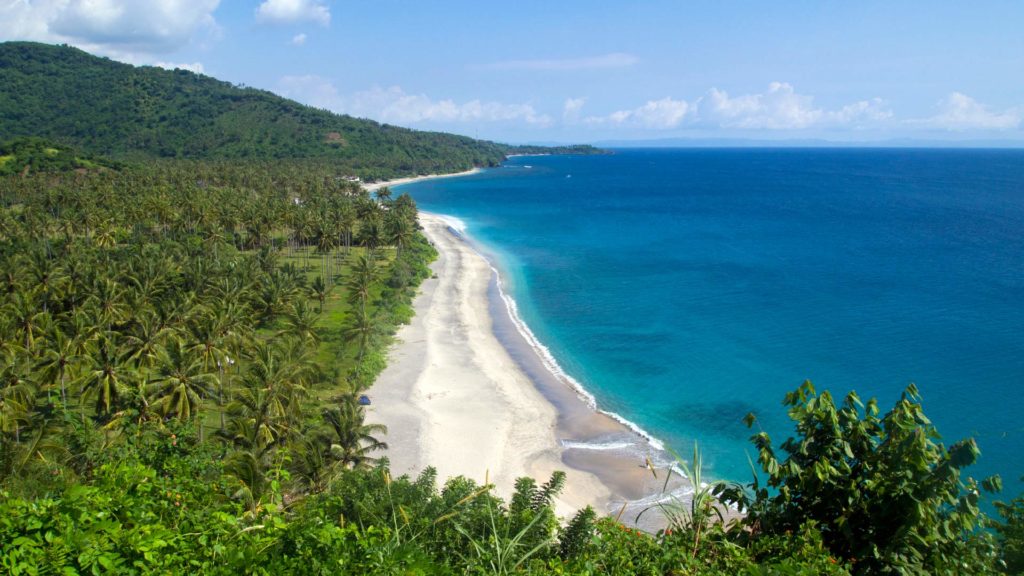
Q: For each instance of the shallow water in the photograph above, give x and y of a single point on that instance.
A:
(686, 288)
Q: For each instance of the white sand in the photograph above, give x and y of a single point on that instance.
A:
(389, 183)
(453, 398)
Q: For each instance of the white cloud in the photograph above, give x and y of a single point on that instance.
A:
(782, 108)
(571, 109)
(196, 67)
(299, 39)
(659, 114)
(961, 112)
(613, 60)
(394, 105)
(285, 11)
(131, 30)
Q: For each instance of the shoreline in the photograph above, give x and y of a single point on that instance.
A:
(410, 179)
(469, 390)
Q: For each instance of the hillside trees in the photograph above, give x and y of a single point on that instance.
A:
(162, 293)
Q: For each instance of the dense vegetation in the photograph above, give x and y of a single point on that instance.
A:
(25, 155)
(126, 112)
(183, 345)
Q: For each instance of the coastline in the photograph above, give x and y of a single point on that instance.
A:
(470, 391)
(410, 179)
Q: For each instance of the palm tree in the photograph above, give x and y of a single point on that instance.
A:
(249, 467)
(266, 404)
(400, 232)
(346, 218)
(17, 392)
(60, 354)
(363, 274)
(27, 317)
(144, 340)
(108, 297)
(181, 383)
(300, 322)
(353, 440)
(107, 375)
(362, 328)
(47, 276)
(371, 232)
(320, 291)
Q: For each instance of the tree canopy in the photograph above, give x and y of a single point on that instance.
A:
(125, 112)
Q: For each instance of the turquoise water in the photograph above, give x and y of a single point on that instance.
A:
(686, 288)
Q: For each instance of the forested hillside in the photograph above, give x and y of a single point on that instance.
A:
(105, 107)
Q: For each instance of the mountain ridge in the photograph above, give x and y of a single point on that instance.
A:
(127, 112)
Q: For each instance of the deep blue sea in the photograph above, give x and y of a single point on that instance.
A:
(686, 288)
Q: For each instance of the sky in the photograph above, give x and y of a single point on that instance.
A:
(589, 71)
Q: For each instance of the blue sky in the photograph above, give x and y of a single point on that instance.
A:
(582, 71)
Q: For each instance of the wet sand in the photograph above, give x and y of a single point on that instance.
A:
(469, 391)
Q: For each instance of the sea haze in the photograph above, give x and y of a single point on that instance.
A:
(686, 288)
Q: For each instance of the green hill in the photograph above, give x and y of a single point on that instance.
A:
(126, 112)
(25, 155)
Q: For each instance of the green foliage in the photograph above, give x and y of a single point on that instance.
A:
(173, 402)
(31, 155)
(884, 492)
(577, 539)
(1011, 534)
(106, 107)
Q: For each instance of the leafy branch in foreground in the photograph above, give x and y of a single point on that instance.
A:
(884, 492)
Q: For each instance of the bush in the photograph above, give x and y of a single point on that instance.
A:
(884, 492)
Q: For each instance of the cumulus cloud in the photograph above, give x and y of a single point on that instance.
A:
(782, 108)
(612, 60)
(287, 11)
(196, 67)
(299, 39)
(659, 114)
(571, 109)
(961, 112)
(394, 105)
(131, 30)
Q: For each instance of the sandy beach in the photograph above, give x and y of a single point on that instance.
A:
(397, 181)
(453, 398)
(465, 392)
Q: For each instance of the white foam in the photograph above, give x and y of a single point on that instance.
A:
(597, 445)
(549, 361)
(452, 222)
(543, 352)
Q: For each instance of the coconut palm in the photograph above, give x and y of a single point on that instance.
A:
(107, 375)
(400, 231)
(362, 328)
(362, 276)
(320, 291)
(352, 439)
(17, 392)
(27, 316)
(58, 360)
(180, 382)
(300, 322)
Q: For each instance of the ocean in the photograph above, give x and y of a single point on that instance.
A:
(686, 288)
